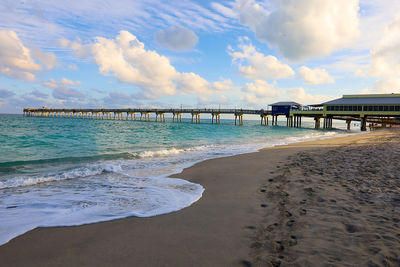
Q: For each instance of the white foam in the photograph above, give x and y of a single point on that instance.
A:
(61, 207)
(80, 172)
(161, 153)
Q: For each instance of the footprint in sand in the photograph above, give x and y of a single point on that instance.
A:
(293, 241)
(246, 263)
(288, 213)
(303, 212)
(290, 223)
(279, 247)
(271, 227)
(351, 228)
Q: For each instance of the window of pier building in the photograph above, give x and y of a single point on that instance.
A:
(382, 108)
(344, 108)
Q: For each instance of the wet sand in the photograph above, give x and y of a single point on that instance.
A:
(333, 202)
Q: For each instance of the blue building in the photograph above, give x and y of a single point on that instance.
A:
(283, 108)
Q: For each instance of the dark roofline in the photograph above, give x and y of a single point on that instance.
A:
(288, 103)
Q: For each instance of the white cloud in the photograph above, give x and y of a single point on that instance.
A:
(15, 58)
(81, 51)
(47, 59)
(69, 82)
(374, 17)
(176, 38)
(385, 61)
(255, 65)
(17, 61)
(224, 10)
(315, 76)
(360, 73)
(258, 93)
(192, 83)
(64, 82)
(384, 86)
(385, 57)
(261, 89)
(302, 29)
(51, 83)
(220, 100)
(250, 98)
(62, 89)
(301, 96)
(126, 59)
(223, 85)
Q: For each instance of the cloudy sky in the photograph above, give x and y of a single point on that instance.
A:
(155, 53)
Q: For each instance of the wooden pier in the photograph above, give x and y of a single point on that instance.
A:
(382, 109)
(130, 114)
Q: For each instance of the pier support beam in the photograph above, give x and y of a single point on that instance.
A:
(274, 119)
(328, 122)
(178, 116)
(288, 121)
(132, 115)
(197, 116)
(297, 121)
(348, 122)
(317, 122)
(146, 116)
(239, 119)
(162, 116)
(363, 124)
(264, 119)
(217, 118)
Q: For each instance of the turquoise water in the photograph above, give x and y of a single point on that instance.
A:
(56, 171)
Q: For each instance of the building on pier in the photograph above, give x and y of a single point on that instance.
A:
(283, 108)
(375, 108)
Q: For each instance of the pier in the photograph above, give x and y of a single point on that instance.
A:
(130, 114)
(375, 109)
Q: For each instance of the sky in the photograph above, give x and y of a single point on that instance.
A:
(195, 54)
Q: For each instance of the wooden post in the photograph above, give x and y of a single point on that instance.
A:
(363, 124)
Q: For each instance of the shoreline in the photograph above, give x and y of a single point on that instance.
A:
(217, 230)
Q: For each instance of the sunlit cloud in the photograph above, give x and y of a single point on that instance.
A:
(315, 76)
(255, 65)
(17, 61)
(302, 29)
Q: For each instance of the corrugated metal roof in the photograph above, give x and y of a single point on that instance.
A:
(285, 104)
(365, 101)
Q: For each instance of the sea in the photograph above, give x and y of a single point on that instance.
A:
(64, 171)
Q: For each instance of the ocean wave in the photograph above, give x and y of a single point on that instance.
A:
(169, 152)
(61, 175)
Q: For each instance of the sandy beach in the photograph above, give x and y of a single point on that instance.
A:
(333, 202)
